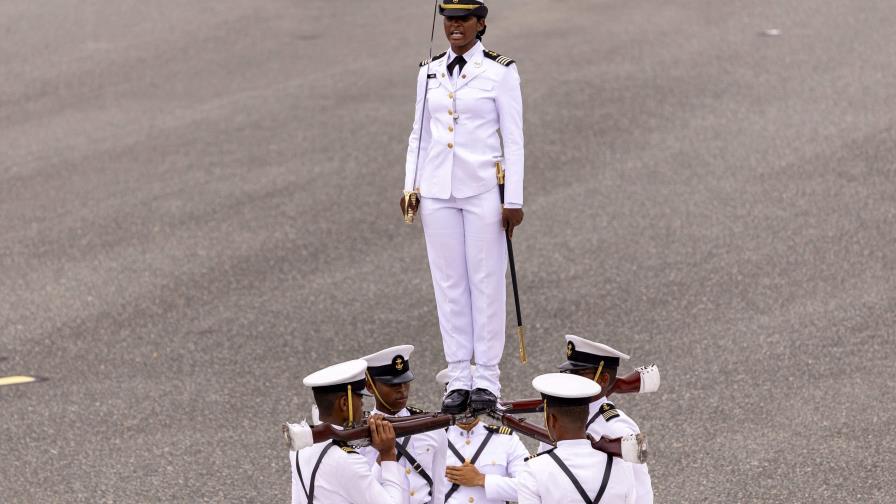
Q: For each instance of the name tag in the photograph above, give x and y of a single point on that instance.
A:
(430, 76)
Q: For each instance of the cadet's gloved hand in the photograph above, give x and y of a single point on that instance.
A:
(465, 475)
(511, 218)
(382, 438)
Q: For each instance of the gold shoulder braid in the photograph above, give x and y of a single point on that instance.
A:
(428, 61)
(502, 60)
(499, 429)
(608, 411)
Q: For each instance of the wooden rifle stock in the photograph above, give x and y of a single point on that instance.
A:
(522, 406)
(404, 426)
(628, 384)
(526, 428)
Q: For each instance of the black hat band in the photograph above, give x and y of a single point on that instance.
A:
(397, 367)
(357, 387)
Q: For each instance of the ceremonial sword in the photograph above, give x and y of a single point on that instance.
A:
(520, 330)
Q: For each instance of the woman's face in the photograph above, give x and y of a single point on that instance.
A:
(461, 31)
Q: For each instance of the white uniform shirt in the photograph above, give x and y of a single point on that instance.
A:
(429, 449)
(346, 478)
(545, 483)
(502, 459)
(460, 140)
(613, 423)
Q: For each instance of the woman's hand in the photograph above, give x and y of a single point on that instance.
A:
(511, 218)
(466, 475)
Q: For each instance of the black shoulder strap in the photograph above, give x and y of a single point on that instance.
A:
(592, 419)
(403, 451)
(606, 480)
(309, 494)
(404, 444)
(473, 460)
(575, 482)
(571, 476)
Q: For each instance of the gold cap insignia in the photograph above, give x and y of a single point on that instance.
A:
(399, 362)
(570, 347)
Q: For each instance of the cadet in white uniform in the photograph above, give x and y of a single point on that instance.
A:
(334, 473)
(483, 461)
(573, 471)
(471, 122)
(421, 456)
(600, 363)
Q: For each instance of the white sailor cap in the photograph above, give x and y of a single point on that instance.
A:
(392, 365)
(582, 354)
(564, 389)
(338, 376)
(443, 377)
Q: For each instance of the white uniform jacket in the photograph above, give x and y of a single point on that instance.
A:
(460, 140)
(545, 483)
(429, 449)
(611, 422)
(502, 459)
(345, 477)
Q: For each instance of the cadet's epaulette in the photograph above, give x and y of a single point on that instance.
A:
(428, 61)
(608, 411)
(347, 448)
(540, 453)
(414, 411)
(498, 429)
(503, 60)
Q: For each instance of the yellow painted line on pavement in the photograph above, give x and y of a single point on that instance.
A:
(16, 380)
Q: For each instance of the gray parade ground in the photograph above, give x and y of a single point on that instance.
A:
(199, 206)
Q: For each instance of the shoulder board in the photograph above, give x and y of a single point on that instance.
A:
(503, 60)
(540, 453)
(428, 61)
(347, 448)
(414, 411)
(499, 429)
(608, 411)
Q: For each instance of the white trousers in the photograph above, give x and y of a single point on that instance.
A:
(468, 261)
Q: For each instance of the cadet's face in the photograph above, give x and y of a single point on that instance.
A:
(461, 31)
(395, 395)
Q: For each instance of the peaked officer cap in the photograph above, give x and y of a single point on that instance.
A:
(338, 377)
(456, 8)
(582, 354)
(563, 389)
(392, 365)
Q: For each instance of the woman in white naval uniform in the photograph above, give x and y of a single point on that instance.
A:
(472, 122)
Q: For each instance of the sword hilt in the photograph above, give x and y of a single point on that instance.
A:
(521, 333)
(410, 203)
(499, 173)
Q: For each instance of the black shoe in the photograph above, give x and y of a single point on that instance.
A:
(482, 400)
(456, 402)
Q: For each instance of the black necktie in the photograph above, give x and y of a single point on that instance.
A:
(459, 62)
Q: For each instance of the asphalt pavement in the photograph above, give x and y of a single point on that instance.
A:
(199, 206)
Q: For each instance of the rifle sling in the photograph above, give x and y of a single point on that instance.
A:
(456, 452)
(309, 494)
(575, 482)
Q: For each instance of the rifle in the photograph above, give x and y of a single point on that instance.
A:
(301, 435)
(642, 380)
(631, 448)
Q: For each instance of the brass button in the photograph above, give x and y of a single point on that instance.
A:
(450, 128)
(407, 470)
(467, 441)
(450, 95)
(443, 74)
(470, 499)
(450, 112)
(463, 76)
(451, 146)
(412, 493)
